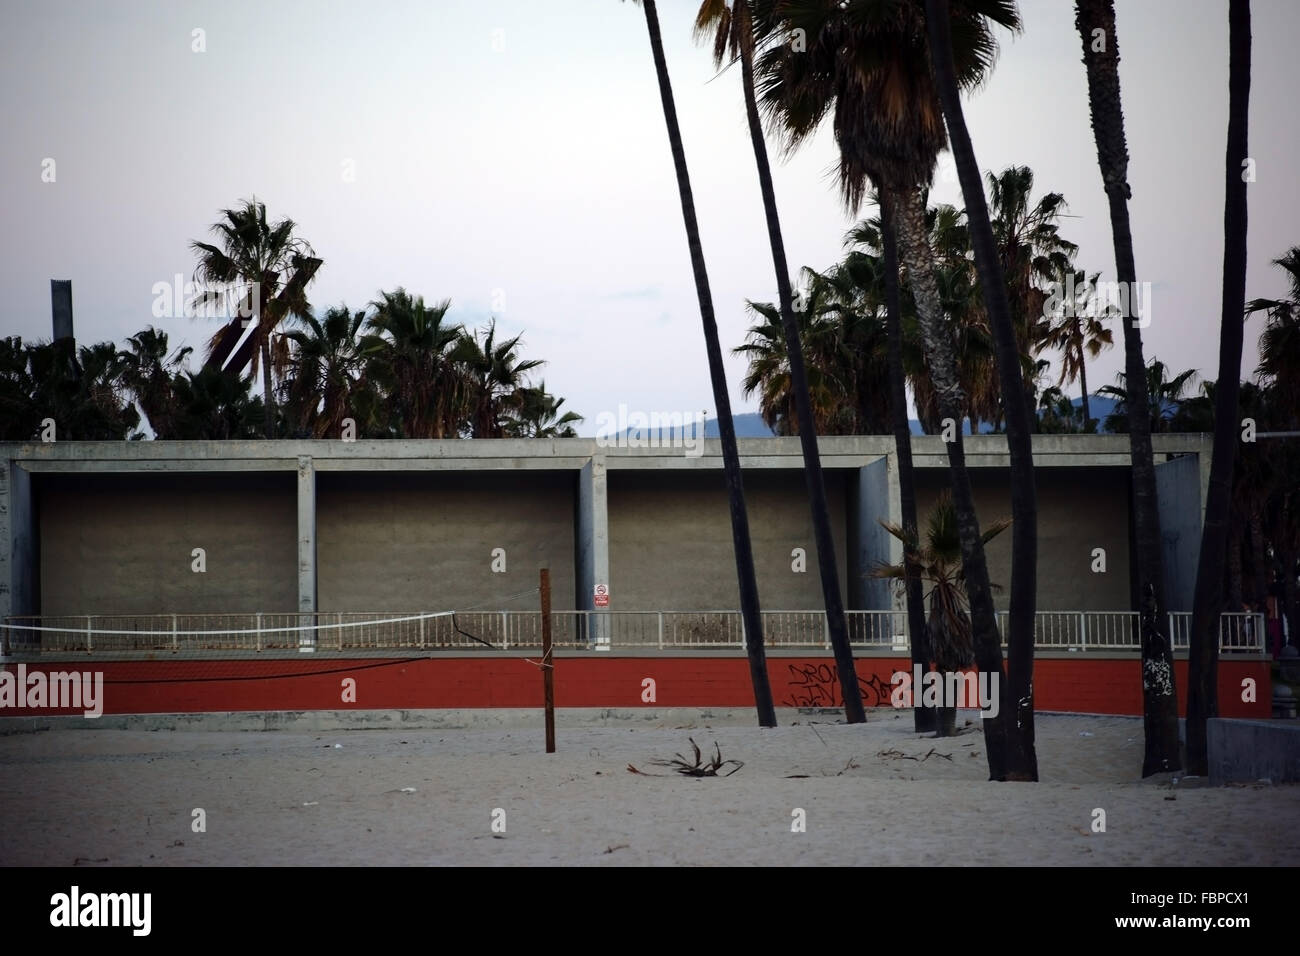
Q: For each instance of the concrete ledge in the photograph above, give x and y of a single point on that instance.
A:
(1244, 751)
(336, 720)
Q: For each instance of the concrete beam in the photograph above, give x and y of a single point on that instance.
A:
(306, 536)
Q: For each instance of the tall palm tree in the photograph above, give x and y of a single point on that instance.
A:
(1207, 605)
(325, 366)
(1033, 254)
(935, 563)
(273, 263)
(868, 65)
(732, 33)
(409, 355)
(749, 606)
(1079, 333)
(1000, 263)
(1095, 21)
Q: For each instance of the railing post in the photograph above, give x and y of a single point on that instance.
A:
(421, 629)
(505, 630)
(89, 646)
(1083, 631)
(259, 631)
(826, 630)
(661, 630)
(339, 630)
(174, 645)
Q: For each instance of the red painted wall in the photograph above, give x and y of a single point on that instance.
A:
(1089, 685)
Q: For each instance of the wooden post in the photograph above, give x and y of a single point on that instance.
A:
(548, 664)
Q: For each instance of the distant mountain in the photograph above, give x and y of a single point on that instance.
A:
(751, 424)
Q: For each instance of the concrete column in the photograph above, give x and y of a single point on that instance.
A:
(17, 542)
(878, 498)
(1179, 488)
(592, 551)
(306, 535)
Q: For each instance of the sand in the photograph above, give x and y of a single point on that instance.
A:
(119, 797)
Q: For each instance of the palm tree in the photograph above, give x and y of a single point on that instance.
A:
(260, 255)
(1279, 343)
(535, 413)
(749, 606)
(215, 405)
(409, 356)
(1167, 395)
(1095, 21)
(493, 372)
(325, 366)
(1033, 254)
(150, 375)
(1010, 260)
(1207, 605)
(1057, 414)
(867, 64)
(1079, 333)
(936, 565)
(732, 32)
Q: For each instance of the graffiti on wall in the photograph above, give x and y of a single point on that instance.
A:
(818, 685)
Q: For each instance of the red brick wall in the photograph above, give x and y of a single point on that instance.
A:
(1084, 684)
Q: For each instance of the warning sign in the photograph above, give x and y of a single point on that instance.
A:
(601, 596)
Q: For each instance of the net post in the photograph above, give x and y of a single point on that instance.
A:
(548, 666)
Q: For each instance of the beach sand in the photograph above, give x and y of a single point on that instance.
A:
(127, 797)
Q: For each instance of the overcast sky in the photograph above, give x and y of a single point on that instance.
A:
(518, 149)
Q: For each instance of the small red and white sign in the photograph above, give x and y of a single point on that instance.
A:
(601, 595)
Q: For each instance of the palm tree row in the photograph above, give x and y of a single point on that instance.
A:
(401, 370)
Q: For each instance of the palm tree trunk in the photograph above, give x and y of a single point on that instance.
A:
(1202, 696)
(1159, 693)
(749, 607)
(1083, 385)
(1022, 762)
(925, 719)
(812, 465)
(909, 210)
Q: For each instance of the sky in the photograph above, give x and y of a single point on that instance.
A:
(512, 157)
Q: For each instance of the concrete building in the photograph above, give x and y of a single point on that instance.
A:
(284, 526)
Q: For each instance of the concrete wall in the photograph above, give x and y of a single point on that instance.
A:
(424, 541)
(1244, 751)
(1178, 489)
(671, 543)
(1079, 509)
(123, 544)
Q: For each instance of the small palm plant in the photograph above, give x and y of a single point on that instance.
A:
(937, 564)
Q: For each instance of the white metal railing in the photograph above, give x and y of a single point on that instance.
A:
(1240, 632)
